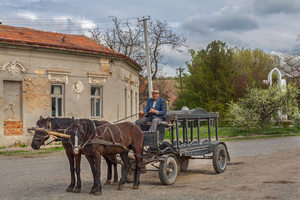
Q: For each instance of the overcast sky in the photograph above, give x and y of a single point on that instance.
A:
(271, 25)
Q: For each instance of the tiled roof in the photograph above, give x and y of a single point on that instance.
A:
(45, 39)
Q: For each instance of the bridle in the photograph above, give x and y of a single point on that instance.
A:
(80, 146)
(46, 136)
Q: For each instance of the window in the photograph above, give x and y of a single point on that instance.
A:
(96, 101)
(131, 103)
(125, 103)
(136, 103)
(57, 100)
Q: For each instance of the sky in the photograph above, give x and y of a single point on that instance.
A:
(270, 25)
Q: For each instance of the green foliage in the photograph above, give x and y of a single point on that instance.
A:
(251, 67)
(242, 116)
(208, 84)
(219, 74)
(236, 133)
(260, 104)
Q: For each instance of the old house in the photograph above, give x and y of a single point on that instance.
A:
(60, 75)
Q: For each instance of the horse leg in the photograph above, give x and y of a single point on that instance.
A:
(92, 165)
(115, 164)
(72, 170)
(109, 170)
(126, 162)
(98, 174)
(78, 185)
(137, 172)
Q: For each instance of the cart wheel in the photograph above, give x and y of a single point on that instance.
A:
(183, 163)
(168, 170)
(220, 158)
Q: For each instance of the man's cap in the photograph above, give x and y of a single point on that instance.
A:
(155, 91)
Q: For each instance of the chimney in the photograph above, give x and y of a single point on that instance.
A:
(63, 39)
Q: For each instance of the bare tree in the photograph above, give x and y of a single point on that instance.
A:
(127, 38)
(291, 63)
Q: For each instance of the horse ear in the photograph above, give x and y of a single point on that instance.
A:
(47, 118)
(41, 117)
(73, 118)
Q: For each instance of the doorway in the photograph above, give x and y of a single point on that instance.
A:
(12, 108)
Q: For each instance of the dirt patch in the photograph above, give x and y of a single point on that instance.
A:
(269, 197)
(236, 163)
(279, 182)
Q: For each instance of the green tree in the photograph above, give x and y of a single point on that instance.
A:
(258, 105)
(251, 67)
(209, 82)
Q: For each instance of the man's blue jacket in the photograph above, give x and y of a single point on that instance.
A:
(160, 107)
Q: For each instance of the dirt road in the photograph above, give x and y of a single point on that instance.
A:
(259, 169)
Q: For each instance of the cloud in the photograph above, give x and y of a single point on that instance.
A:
(28, 15)
(75, 25)
(226, 19)
(265, 7)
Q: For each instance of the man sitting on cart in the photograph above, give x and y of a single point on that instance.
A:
(155, 111)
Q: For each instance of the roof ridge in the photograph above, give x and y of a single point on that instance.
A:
(37, 30)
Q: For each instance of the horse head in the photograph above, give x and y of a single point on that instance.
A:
(77, 132)
(40, 137)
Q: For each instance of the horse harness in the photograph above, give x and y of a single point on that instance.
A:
(100, 138)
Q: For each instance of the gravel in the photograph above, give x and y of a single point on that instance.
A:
(259, 169)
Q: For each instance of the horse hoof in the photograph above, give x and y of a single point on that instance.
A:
(92, 191)
(97, 193)
(76, 190)
(115, 183)
(135, 187)
(120, 187)
(107, 182)
(69, 189)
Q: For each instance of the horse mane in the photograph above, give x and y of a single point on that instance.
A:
(60, 123)
(90, 124)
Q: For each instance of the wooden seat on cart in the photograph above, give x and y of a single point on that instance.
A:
(165, 123)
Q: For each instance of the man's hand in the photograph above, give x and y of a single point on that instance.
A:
(153, 111)
(141, 112)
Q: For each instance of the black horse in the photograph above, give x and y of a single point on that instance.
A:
(108, 139)
(40, 137)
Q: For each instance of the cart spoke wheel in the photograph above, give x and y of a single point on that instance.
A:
(168, 170)
(220, 158)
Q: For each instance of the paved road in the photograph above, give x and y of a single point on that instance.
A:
(260, 169)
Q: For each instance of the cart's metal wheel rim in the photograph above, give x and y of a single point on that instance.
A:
(222, 159)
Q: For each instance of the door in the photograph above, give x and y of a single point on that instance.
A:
(12, 107)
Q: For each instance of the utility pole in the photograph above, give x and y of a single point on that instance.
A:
(180, 71)
(147, 55)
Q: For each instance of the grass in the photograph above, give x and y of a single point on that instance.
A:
(31, 152)
(226, 132)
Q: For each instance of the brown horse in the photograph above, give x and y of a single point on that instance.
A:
(40, 137)
(108, 139)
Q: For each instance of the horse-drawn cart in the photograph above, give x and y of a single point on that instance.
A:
(173, 156)
(167, 156)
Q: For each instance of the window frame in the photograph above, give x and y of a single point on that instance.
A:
(100, 97)
(56, 96)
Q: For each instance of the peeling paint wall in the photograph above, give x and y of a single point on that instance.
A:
(37, 70)
(36, 94)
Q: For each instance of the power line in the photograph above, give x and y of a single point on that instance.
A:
(64, 20)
